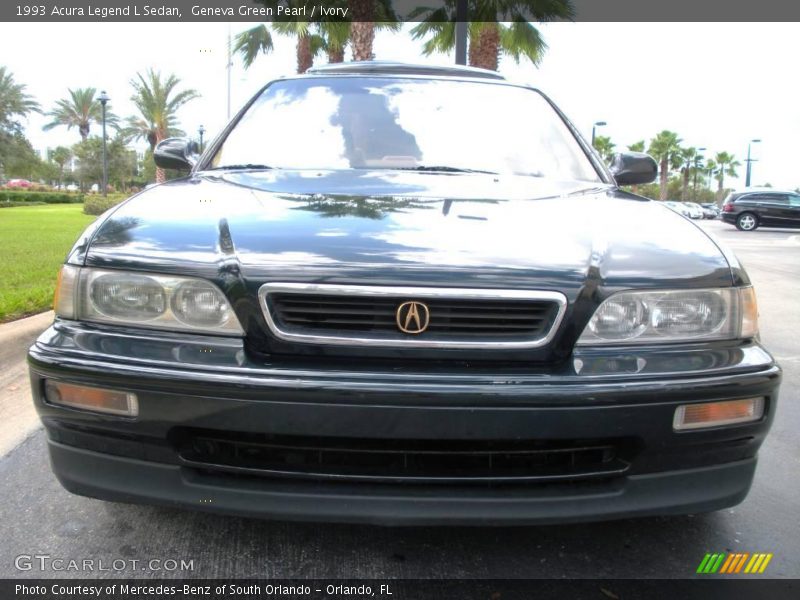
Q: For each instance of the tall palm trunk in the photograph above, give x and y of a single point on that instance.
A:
(473, 47)
(662, 193)
(305, 59)
(685, 186)
(486, 52)
(161, 176)
(336, 55)
(83, 129)
(362, 28)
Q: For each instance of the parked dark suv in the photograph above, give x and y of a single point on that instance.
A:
(371, 300)
(762, 208)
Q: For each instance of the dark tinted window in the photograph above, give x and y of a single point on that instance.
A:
(794, 200)
(771, 198)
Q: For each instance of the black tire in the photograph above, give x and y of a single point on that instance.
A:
(747, 221)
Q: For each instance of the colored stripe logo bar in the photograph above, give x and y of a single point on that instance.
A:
(736, 562)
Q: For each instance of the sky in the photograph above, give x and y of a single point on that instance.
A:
(718, 85)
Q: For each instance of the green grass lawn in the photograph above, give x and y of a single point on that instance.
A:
(34, 240)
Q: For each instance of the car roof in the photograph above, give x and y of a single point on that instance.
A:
(383, 67)
(762, 190)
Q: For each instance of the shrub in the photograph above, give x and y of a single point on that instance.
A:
(12, 203)
(97, 205)
(41, 197)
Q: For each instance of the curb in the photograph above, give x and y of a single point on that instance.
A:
(21, 331)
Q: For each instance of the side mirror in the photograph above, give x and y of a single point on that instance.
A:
(631, 168)
(176, 153)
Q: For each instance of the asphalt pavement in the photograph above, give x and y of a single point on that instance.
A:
(38, 517)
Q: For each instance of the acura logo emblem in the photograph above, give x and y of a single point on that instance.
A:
(413, 317)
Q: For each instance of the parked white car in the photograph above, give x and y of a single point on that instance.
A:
(695, 211)
(678, 207)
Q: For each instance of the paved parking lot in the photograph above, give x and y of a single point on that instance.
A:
(37, 516)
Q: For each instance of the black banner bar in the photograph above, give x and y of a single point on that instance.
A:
(42, 11)
(400, 589)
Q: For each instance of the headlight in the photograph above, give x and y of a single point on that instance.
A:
(156, 301)
(673, 316)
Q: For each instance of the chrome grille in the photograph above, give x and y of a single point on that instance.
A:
(366, 315)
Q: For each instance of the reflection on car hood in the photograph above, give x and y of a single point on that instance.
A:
(406, 228)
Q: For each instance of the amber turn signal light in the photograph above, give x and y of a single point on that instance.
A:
(716, 414)
(91, 398)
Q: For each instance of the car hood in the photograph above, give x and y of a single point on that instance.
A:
(405, 228)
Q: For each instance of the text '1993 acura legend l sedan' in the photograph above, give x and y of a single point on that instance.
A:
(399, 294)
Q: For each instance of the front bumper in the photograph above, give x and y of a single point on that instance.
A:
(211, 385)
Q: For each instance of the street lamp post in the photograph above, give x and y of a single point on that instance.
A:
(595, 125)
(697, 159)
(749, 162)
(461, 32)
(103, 101)
(201, 131)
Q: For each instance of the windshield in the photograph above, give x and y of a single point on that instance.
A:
(398, 123)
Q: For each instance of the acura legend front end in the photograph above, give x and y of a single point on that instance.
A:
(355, 308)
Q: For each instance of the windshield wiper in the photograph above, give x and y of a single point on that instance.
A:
(444, 169)
(242, 167)
(589, 190)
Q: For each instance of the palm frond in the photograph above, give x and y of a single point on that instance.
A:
(542, 11)
(14, 101)
(335, 34)
(291, 28)
(521, 39)
(518, 37)
(249, 44)
(157, 102)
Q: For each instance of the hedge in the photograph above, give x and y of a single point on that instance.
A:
(13, 203)
(97, 205)
(41, 197)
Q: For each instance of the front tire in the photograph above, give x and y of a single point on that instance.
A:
(746, 222)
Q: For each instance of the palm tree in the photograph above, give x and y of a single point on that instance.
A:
(488, 37)
(362, 28)
(14, 102)
(365, 16)
(709, 170)
(325, 35)
(157, 100)
(725, 165)
(309, 44)
(79, 110)
(258, 40)
(335, 37)
(688, 159)
(637, 146)
(604, 147)
(61, 157)
(666, 149)
(252, 42)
